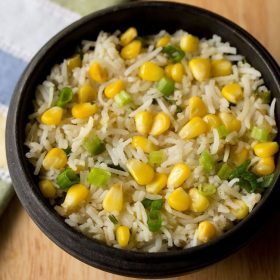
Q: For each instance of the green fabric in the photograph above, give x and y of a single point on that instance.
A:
(6, 193)
(84, 7)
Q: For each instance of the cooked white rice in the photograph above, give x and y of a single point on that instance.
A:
(115, 126)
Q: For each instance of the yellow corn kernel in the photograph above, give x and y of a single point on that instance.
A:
(232, 93)
(240, 157)
(177, 72)
(265, 166)
(74, 62)
(159, 182)
(97, 73)
(200, 68)
(149, 71)
(168, 70)
(199, 202)
(55, 158)
(142, 142)
(114, 88)
(143, 122)
(161, 124)
(52, 116)
(142, 172)
(230, 121)
(212, 120)
(179, 200)
(241, 210)
(178, 175)
(266, 149)
(197, 107)
(195, 127)
(131, 50)
(76, 196)
(189, 43)
(123, 236)
(47, 189)
(163, 41)
(113, 200)
(86, 93)
(221, 67)
(129, 35)
(206, 231)
(83, 110)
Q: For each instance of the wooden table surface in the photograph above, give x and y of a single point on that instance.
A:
(27, 254)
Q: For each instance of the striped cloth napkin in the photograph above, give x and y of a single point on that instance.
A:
(26, 25)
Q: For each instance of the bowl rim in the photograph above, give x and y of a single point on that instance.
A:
(47, 220)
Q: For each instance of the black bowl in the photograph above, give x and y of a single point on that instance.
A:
(148, 18)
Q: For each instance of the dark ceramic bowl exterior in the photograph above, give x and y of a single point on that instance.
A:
(148, 18)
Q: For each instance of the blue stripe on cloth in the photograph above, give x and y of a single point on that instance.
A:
(10, 71)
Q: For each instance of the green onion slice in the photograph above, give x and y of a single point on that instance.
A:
(64, 97)
(166, 86)
(93, 145)
(113, 219)
(122, 98)
(267, 181)
(154, 220)
(207, 189)
(247, 179)
(99, 177)
(67, 178)
(147, 203)
(224, 172)
(265, 96)
(207, 161)
(152, 204)
(157, 157)
(260, 134)
(175, 54)
(222, 131)
(157, 204)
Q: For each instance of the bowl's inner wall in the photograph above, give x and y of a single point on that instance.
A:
(148, 19)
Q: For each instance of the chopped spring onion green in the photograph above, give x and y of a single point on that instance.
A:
(207, 161)
(222, 131)
(157, 157)
(207, 189)
(122, 98)
(175, 54)
(265, 96)
(147, 203)
(152, 204)
(247, 179)
(260, 134)
(157, 204)
(266, 180)
(64, 97)
(239, 170)
(99, 177)
(67, 178)
(113, 219)
(154, 220)
(166, 86)
(93, 145)
(224, 172)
